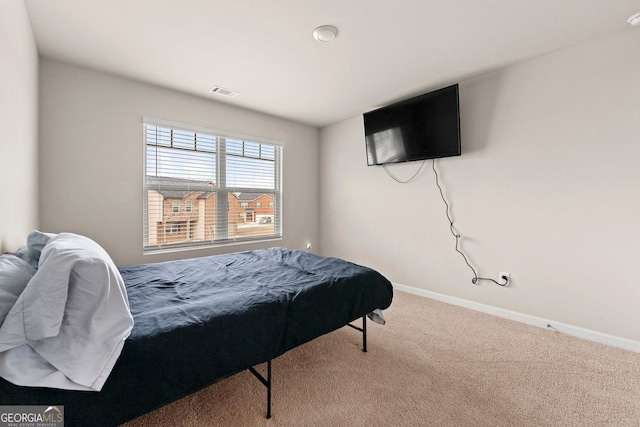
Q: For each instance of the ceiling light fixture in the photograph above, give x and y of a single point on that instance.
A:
(325, 33)
(634, 20)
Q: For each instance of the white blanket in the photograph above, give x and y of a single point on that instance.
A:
(68, 327)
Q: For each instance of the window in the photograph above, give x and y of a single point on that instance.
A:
(218, 172)
(258, 205)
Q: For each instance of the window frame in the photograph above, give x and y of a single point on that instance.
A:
(221, 224)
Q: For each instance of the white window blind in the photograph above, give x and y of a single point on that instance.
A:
(204, 187)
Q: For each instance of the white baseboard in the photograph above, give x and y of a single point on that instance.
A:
(572, 330)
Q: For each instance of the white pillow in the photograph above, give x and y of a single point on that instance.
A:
(15, 273)
(36, 241)
(74, 313)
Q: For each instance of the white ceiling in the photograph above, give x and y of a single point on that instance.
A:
(386, 49)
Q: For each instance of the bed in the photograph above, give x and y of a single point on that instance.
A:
(200, 320)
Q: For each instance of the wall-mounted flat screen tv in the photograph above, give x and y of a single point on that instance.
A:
(424, 127)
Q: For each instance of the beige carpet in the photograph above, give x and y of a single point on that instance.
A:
(433, 364)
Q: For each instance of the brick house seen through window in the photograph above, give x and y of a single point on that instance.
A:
(189, 216)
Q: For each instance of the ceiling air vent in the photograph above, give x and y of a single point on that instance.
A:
(218, 90)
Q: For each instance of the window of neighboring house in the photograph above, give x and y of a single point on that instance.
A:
(213, 168)
(258, 205)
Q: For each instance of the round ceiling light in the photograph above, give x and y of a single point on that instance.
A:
(325, 33)
(634, 20)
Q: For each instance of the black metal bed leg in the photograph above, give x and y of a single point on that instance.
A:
(364, 333)
(269, 389)
(266, 382)
(363, 330)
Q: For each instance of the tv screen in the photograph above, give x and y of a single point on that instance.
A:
(424, 127)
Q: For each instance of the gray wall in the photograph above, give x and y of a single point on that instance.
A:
(547, 188)
(19, 124)
(91, 158)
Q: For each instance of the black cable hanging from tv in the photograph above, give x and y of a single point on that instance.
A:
(458, 236)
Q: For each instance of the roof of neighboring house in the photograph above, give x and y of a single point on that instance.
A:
(178, 181)
(247, 197)
(193, 185)
(174, 194)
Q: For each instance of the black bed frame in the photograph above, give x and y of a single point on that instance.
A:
(267, 381)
